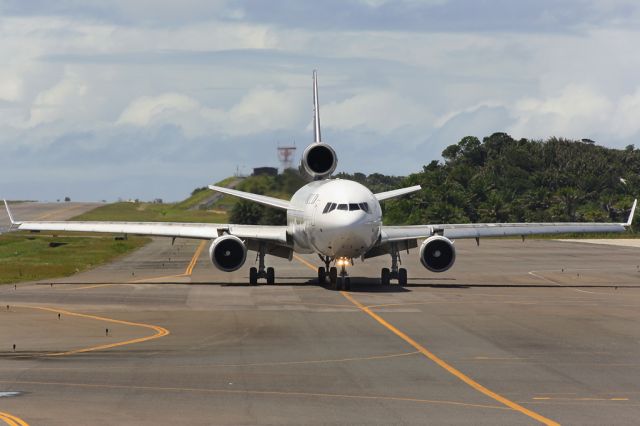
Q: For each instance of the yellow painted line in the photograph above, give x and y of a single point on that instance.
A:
(187, 272)
(87, 287)
(12, 420)
(143, 280)
(579, 399)
(307, 264)
(194, 259)
(450, 369)
(159, 331)
(259, 392)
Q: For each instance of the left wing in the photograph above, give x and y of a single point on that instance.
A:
(477, 230)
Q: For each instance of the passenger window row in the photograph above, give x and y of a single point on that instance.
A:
(329, 207)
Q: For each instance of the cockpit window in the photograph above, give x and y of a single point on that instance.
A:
(329, 207)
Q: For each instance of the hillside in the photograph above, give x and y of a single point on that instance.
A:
(500, 179)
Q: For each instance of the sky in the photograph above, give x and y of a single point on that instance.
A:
(152, 98)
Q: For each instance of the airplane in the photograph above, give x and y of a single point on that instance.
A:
(339, 220)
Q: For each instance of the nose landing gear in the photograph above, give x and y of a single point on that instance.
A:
(338, 282)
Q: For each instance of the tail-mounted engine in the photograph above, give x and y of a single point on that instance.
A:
(437, 253)
(228, 253)
(319, 160)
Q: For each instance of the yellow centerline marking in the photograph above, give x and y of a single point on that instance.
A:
(450, 369)
(307, 264)
(260, 392)
(12, 420)
(159, 331)
(194, 259)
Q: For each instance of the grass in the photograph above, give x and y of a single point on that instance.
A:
(28, 257)
(148, 212)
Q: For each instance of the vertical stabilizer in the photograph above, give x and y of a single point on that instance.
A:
(316, 110)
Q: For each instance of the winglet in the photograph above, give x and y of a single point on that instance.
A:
(633, 211)
(316, 110)
(6, 205)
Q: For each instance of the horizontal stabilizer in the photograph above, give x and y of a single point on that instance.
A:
(397, 192)
(260, 199)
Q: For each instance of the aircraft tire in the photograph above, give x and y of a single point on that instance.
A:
(385, 276)
(253, 276)
(322, 275)
(402, 277)
(333, 274)
(271, 276)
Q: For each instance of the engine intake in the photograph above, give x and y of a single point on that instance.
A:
(437, 253)
(228, 253)
(319, 160)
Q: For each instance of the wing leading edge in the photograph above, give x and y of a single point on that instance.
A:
(478, 230)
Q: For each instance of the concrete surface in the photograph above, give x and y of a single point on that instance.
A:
(516, 333)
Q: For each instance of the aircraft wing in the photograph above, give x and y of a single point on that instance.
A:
(478, 230)
(380, 196)
(261, 199)
(204, 231)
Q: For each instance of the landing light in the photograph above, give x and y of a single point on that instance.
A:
(342, 261)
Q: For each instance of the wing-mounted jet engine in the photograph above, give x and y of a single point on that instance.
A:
(228, 253)
(437, 253)
(319, 160)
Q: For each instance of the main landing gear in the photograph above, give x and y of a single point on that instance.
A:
(395, 273)
(338, 282)
(261, 272)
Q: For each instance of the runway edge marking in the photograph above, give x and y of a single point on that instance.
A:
(159, 331)
(452, 370)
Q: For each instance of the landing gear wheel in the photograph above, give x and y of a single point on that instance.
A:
(271, 276)
(333, 275)
(346, 283)
(253, 276)
(402, 277)
(385, 277)
(322, 275)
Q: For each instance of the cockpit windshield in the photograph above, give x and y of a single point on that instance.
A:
(329, 207)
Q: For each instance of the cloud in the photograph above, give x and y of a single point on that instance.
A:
(380, 111)
(260, 110)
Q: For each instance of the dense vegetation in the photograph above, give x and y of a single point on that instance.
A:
(505, 180)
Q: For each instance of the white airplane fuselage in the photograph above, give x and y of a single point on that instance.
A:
(336, 218)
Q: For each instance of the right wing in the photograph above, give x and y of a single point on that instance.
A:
(204, 231)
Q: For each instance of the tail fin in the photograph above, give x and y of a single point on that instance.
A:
(316, 110)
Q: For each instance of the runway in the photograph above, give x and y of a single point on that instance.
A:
(516, 333)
